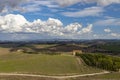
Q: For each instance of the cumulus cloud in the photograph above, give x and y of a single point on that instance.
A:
(92, 11)
(88, 29)
(17, 27)
(107, 30)
(72, 28)
(12, 23)
(52, 27)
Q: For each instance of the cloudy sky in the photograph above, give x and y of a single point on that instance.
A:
(59, 19)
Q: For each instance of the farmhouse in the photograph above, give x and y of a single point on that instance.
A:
(77, 51)
(20, 50)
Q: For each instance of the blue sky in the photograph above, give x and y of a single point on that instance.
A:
(72, 19)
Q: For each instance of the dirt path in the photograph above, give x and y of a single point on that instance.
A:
(57, 77)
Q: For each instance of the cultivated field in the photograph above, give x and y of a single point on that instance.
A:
(4, 51)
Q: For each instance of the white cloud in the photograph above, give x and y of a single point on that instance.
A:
(99, 2)
(48, 3)
(30, 8)
(107, 2)
(53, 27)
(107, 30)
(72, 28)
(88, 29)
(25, 5)
(115, 35)
(67, 2)
(11, 4)
(92, 11)
(12, 23)
(111, 33)
(54, 22)
(108, 22)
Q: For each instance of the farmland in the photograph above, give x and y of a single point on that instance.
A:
(57, 59)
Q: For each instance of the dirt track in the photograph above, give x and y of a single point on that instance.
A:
(57, 77)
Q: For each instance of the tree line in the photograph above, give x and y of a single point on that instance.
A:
(102, 61)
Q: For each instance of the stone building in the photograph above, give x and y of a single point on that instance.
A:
(77, 51)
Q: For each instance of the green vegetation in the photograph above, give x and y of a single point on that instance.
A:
(115, 48)
(43, 64)
(106, 62)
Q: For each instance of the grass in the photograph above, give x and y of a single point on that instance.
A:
(43, 64)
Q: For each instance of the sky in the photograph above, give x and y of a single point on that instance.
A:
(59, 19)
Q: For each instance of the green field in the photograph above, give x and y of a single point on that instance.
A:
(43, 64)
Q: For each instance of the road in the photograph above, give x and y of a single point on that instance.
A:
(57, 77)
